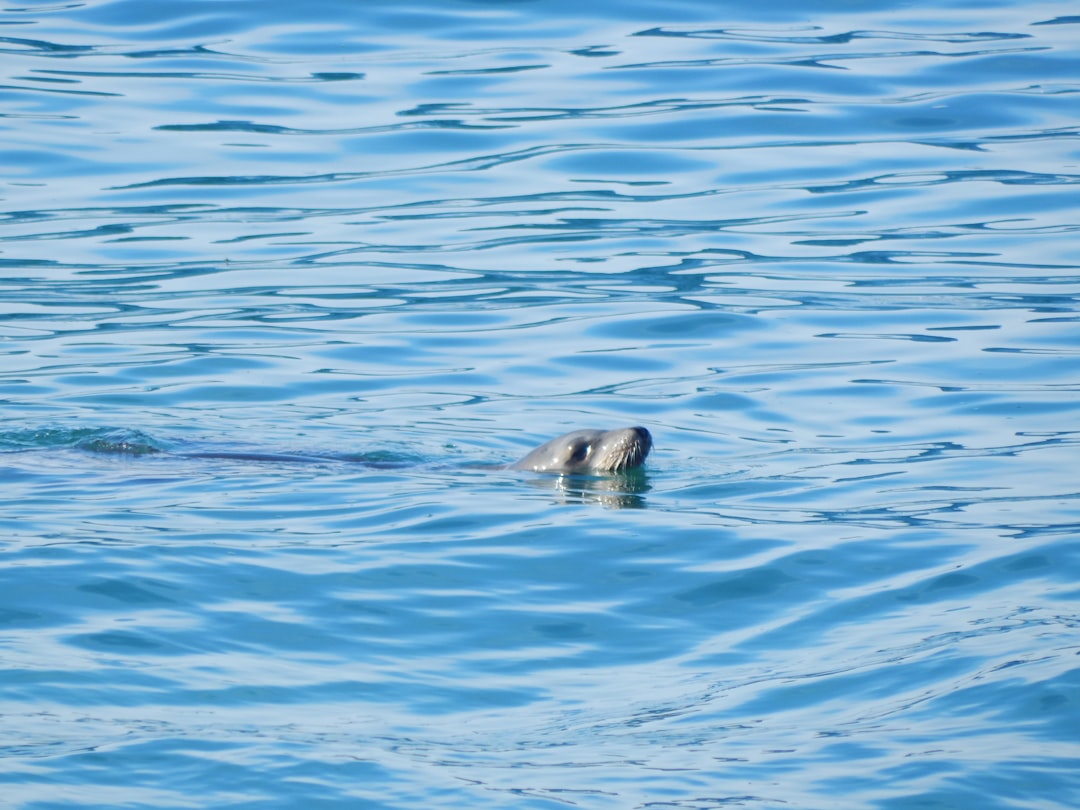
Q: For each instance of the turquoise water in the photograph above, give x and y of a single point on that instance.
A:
(280, 280)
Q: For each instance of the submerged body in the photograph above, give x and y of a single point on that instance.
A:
(590, 452)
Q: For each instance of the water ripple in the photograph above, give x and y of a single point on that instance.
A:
(277, 280)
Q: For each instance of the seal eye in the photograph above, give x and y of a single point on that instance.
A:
(580, 452)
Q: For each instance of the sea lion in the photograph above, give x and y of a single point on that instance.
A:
(581, 452)
(589, 452)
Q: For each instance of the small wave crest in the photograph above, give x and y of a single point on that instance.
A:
(95, 440)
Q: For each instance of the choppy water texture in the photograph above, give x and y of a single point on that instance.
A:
(280, 280)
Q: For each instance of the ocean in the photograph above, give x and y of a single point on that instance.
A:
(283, 286)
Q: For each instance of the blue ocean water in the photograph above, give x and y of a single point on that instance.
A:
(278, 281)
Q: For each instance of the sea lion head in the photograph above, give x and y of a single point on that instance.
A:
(590, 452)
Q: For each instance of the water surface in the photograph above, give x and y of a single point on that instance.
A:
(280, 281)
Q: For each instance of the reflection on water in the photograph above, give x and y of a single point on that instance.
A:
(619, 491)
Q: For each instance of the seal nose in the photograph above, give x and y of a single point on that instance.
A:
(644, 436)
